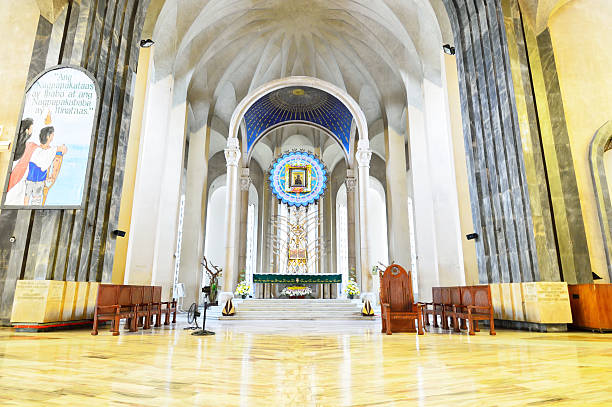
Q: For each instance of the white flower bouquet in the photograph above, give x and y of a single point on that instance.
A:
(296, 291)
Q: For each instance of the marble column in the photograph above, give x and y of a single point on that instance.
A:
(232, 157)
(245, 183)
(192, 242)
(363, 157)
(351, 183)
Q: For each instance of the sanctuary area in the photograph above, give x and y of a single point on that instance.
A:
(305, 203)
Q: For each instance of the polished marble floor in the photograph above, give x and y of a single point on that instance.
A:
(304, 363)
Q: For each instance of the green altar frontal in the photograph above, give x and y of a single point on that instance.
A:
(297, 278)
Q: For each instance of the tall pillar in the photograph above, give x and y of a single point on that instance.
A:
(192, 242)
(397, 199)
(264, 230)
(232, 157)
(363, 157)
(245, 183)
(351, 183)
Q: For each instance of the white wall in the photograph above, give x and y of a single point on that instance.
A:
(214, 247)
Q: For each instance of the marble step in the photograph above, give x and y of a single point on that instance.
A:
(289, 318)
(272, 309)
(296, 301)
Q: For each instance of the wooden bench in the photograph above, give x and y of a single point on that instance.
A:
(398, 309)
(464, 305)
(114, 304)
(136, 304)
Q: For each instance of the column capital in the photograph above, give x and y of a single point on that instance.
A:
(232, 152)
(363, 154)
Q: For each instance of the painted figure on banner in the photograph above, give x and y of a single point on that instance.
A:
(51, 149)
(35, 166)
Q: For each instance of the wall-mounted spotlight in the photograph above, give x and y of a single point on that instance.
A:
(146, 43)
(119, 233)
(471, 236)
(448, 49)
(12, 239)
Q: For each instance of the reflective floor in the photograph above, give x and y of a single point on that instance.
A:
(304, 363)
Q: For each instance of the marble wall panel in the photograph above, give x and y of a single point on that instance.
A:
(559, 225)
(506, 248)
(103, 37)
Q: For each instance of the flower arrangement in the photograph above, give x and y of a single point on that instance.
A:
(243, 289)
(352, 289)
(296, 291)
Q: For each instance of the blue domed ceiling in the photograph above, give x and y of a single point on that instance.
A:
(298, 104)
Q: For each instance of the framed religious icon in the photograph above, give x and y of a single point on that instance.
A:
(298, 179)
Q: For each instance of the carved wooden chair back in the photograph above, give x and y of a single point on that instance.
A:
(445, 293)
(107, 294)
(455, 295)
(157, 294)
(125, 296)
(137, 295)
(147, 296)
(436, 295)
(396, 289)
(467, 297)
(482, 295)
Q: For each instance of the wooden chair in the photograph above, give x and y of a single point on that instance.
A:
(475, 305)
(156, 306)
(454, 306)
(437, 308)
(111, 305)
(445, 293)
(170, 308)
(144, 311)
(398, 310)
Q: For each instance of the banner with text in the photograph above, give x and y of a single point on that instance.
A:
(51, 150)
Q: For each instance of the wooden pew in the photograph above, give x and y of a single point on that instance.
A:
(474, 305)
(136, 304)
(113, 303)
(398, 309)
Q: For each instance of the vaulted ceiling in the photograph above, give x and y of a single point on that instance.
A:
(378, 51)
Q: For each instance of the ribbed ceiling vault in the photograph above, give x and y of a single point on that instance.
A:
(378, 51)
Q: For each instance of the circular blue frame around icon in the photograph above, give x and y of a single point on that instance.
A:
(278, 178)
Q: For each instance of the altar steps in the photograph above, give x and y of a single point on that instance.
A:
(286, 309)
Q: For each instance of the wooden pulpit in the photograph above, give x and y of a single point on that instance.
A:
(398, 310)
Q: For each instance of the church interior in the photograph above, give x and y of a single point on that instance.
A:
(306, 203)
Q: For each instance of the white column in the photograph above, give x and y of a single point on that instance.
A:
(192, 244)
(397, 199)
(245, 183)
(363, 157)
(350, 224)
(232, 157)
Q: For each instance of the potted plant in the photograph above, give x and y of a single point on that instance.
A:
(243, 289)
(213, 277)
(352, 289)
